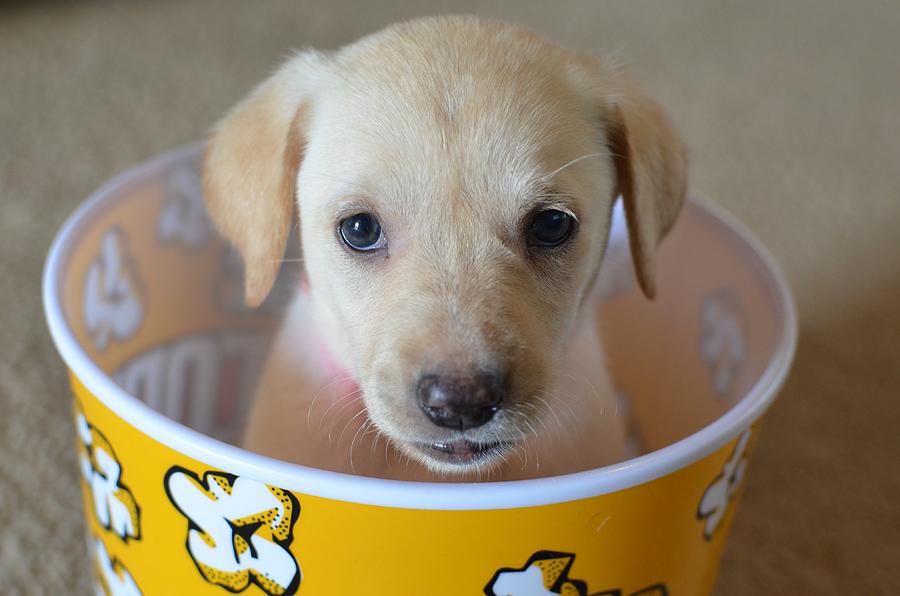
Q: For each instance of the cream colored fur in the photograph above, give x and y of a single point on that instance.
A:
(452, 130)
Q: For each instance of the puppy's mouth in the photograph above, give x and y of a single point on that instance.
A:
(462, 453)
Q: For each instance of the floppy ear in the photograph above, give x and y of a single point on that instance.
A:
(651, 170)
(250, 171)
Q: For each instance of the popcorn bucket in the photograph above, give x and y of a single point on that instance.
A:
(144, 303)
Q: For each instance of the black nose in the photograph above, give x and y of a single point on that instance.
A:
(460, 402)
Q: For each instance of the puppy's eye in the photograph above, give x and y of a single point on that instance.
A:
(362, 232)
(550, 228)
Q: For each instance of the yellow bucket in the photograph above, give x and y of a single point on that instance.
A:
(143, 301)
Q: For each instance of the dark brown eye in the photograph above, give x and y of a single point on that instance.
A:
(550, 228)
(362, 232)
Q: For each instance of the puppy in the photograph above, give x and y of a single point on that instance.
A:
(454, 180)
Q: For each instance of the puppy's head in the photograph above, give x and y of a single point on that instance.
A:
(454, 180)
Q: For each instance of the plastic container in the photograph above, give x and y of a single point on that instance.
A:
(143, 301)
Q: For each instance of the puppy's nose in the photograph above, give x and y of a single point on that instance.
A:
(460, 402)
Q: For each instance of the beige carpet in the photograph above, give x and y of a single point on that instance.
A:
(792, 112)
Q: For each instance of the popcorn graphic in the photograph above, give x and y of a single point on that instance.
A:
(114, 505)
(547, 573)
(719, 493)
(183, 218)
(722, 345)
(112, 577)
(654, 590)
(112, 301)
(239, 530)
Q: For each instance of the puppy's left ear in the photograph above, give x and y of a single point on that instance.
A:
(651, 171)
(250, 170)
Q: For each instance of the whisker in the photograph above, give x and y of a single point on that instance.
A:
(585, 379)
(572, 417)
(340, 411)
(538, 417)
(522, 454)
(551, 411)
(353, 443)
(375, 442)
(353, 396)
(547, 177)
(572, 439)
(349, 422)
(312, 404)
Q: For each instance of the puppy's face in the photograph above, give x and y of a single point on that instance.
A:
(454, 192)
(449, 236)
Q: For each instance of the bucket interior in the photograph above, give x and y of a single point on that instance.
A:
(154, 297)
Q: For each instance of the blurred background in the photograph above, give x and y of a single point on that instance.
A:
(792, 114)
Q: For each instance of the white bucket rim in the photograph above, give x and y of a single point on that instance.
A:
(405, 494)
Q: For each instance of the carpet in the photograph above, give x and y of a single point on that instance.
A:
(790, 111)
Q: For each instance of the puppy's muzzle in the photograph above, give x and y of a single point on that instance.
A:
(460, 402)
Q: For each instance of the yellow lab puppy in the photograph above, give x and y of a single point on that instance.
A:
(454, 180)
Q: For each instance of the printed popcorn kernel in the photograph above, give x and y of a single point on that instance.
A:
(114, 505)
(551, 569)
(239, 530)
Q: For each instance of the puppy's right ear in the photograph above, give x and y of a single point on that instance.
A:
(250, 170)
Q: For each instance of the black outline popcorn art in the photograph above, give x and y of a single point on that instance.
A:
(547, 573)
(715, 500)
(239, 530)
(115, 507)
(113, 579)
(654, 590)
(113, 305)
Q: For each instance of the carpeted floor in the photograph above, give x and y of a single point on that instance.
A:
(792, 113)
